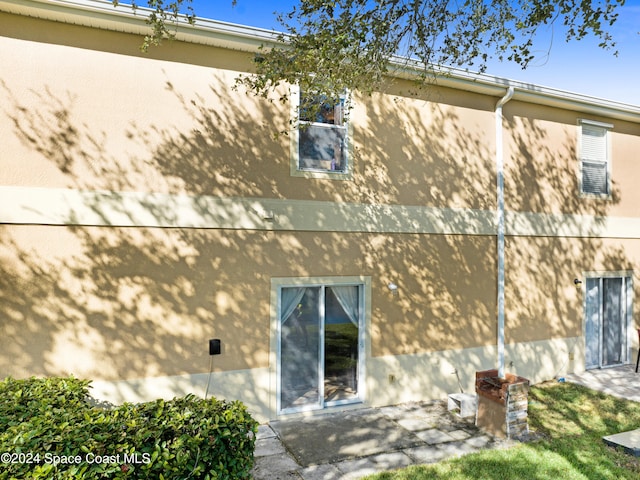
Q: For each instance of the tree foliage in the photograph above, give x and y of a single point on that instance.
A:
(162, 17)
(332, 45)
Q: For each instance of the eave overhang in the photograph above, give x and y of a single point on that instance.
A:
(103, 15)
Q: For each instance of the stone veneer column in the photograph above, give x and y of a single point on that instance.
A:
(502, 404)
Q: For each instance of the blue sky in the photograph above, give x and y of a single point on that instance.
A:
(579, 67)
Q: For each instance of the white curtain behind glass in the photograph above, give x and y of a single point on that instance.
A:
(290, 299)
(348, 298)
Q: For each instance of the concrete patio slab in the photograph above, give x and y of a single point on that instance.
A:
(275, 467)
(629, 441)
(321, 472)
(412, 424)
(318, 440)
(434, 436)
(268, 446)
(426, 454)
(350, 444)
(265, 431)
(375, 463)
(620, 381)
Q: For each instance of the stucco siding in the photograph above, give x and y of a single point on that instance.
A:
(116, 120)
(120, 303)
(148, 203)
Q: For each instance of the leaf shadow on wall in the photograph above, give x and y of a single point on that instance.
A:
(128, 303)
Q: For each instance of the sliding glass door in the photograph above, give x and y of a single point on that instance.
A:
(607, 316)
(320, 346)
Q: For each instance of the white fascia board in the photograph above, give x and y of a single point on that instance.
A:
(102, 14)
(576, 102)
(89, 13)
(485, 84)
(455, 78)
(229, 35)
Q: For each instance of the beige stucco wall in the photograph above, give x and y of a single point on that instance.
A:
(115, 303)
(542, 301)
(111, 118)
(429, 147)
(542, 171)
(82, 117)
(146, 206)
(98, 115)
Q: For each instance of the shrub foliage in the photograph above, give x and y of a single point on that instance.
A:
(49, 429)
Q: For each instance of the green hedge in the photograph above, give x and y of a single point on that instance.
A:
(50, 430)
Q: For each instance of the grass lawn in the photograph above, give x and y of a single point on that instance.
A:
(572, 421)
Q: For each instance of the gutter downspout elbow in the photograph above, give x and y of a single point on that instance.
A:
(507, 96)
(501, 224)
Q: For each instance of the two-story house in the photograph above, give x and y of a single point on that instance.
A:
(383, 252)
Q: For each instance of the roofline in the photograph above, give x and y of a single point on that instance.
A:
(494, 86)
(102, 14)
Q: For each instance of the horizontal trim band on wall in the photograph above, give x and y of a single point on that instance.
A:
(59, 206)
(529, 224)
(44, 206)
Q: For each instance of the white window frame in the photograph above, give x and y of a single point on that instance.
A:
(364, 340)
(606, 128)
(295, 169)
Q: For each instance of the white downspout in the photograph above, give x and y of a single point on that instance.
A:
(501, 227)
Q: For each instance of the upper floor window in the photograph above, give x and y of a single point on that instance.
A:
(595, 164)
(321, 142)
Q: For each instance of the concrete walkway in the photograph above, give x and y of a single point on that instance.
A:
(354, 443)
(621, 381)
